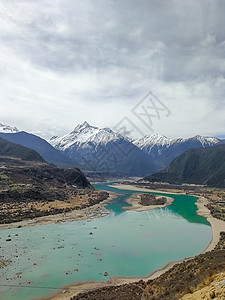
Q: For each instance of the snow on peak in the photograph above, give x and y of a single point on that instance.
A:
(151, 140)
(82, 126)
(159, 142)
(54, 137)
(4, 128)
(206, 140)
(83, 134)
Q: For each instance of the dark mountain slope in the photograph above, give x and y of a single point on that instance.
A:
(197, 166)
(38, 144)
(116, 157)
(14, 150)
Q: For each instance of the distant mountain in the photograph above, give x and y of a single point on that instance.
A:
(105, 151)
(198, 166)
(163, 150)
(41, 146)
(4, 128)
(14, 150)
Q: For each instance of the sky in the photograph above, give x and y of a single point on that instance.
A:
(149, 66)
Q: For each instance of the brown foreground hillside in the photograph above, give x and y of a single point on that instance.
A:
(215, 290)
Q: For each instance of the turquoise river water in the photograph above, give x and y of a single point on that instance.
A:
(123, 243)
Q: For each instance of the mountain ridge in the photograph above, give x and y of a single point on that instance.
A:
(163, 150)
(4, 128)
(84, 133)
(47, 151)
(10, 149)
(104, 150)
(205, 166)
(158, 149)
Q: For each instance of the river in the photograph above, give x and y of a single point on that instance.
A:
(123, 243)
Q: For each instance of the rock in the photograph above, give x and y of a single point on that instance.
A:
(4, 263)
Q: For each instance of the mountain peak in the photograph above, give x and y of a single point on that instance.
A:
(85, 124)
(4, 128)
(151, 140)
(82, 126)
(206, 140)
(84, 134)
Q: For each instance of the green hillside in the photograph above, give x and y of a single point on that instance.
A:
(14, 150)
(198, 166)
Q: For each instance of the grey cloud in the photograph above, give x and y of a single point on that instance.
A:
(71, 53)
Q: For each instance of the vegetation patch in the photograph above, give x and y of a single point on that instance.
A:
(150, 199)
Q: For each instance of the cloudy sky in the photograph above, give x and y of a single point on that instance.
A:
(66, 61)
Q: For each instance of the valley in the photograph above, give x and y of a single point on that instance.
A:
(76, 214)
(112, 150)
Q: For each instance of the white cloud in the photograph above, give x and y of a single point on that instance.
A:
(63, 62)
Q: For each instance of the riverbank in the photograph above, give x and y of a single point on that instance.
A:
(74, 289)
(91, 212)
(217, 225)
(136, 188)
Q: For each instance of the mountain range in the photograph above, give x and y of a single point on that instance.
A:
(107, 152)
(204, 166)
(104, 151)
(157, 151)
(163, 150)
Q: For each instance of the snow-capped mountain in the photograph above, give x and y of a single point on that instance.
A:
(84, 134)
(163, 150)
(205, 141)
(149, 141)
(4, 128)
(103, 150)
(102, 146)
